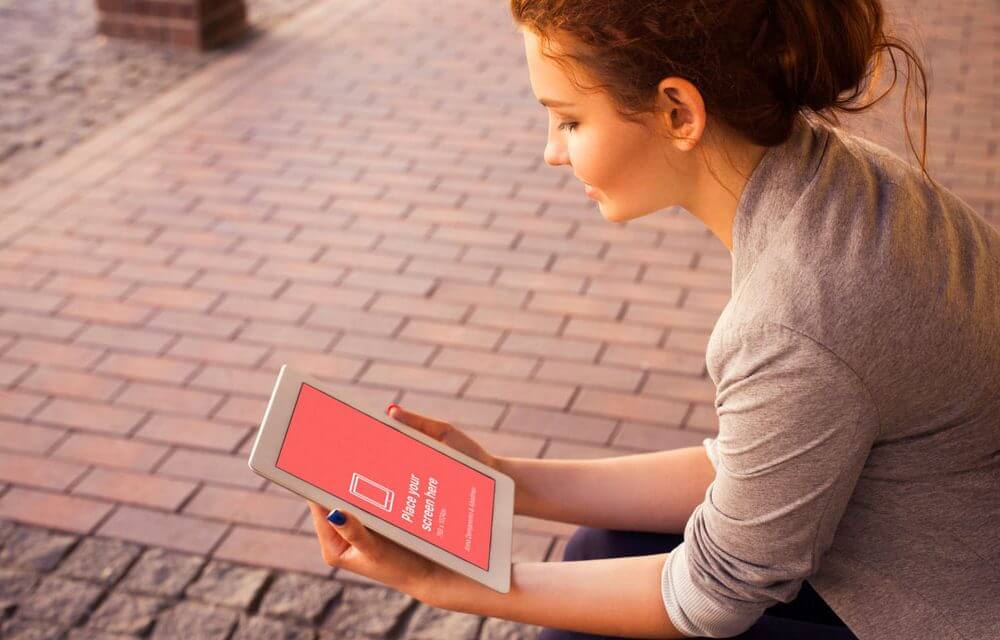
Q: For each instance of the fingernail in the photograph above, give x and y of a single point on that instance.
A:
(388, 409)
(336, 517)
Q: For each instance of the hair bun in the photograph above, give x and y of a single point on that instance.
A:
(810, 53)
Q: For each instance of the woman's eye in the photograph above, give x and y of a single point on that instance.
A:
(568, 126)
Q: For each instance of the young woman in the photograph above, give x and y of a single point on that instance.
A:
(854, 487)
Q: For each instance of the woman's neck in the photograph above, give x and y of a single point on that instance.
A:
(717, 196)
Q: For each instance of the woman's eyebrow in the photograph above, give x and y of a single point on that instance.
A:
(553, 103)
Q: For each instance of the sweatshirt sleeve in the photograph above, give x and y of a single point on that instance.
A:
(795, 428)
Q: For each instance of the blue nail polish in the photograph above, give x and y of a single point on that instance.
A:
(336, 517)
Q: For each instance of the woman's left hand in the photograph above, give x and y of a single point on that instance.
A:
(353, 547)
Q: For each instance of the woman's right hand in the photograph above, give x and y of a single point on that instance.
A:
(445, 433)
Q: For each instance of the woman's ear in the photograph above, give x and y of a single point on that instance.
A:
(682, 112)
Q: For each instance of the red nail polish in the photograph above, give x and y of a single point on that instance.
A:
(388, 410)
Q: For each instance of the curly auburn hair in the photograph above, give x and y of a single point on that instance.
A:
(756, 63)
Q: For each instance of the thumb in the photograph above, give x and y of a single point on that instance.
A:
(354, 532)
(434, 428)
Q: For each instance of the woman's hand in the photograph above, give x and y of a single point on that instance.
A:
(445, 433)
(354, 547)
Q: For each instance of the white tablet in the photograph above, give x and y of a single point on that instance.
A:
(337, 451)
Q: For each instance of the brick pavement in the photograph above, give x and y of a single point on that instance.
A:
(361, 194)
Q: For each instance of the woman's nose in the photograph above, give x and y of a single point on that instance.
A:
(555, 155)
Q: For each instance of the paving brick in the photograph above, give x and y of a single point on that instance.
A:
(628, 405)
(19, 404)
(333, 366)
(37, 471)
(110, 451)
(596, 268)
(704, 418)
(445, 271)
(229, 379)
(532, 392)
(26, 324)
(259, 308)
(161, 572)
(372, 611)
(169, 530)
(89, 416)
(124, 613)
(153, 276)
(32, 301)
(531, 322)
(190, 620)
(451, 334)
(680, 387)
(550, 347)
(66, 382)
(191, 432)
(60, 600)
(392, 303)
(168, 399)
(322, 294)
(604, 376)
(409, 377)
(154, 369)
(104, 310)
(429, 622)
(247, 507)
(29, 548)
(299, 597)
(457, 358)
(284, 335)
(53, 510)
(242, 410)
(196, 324)
(279, 550)
(101, 560)
(658, 437)
(227, 584)
(384, 349)
(459, 411)
(669, 316)
(25, 438)
(654, 359)
(124, 339)
(258, 627)
(556, 424)
(479, 294)
(685, 340)
(52, 353)
(214, 467)
(135, 488)
(163, 296)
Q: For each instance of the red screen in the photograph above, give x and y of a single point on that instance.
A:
(379, 470)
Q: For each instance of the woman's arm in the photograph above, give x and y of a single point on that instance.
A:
(642, 492)
(609, 597)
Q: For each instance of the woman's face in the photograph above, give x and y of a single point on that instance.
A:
(622, 165)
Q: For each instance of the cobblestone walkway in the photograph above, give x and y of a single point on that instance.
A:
(359, 193)
(59, 82)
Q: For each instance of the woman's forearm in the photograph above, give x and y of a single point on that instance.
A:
(654, 491)
(609, 597)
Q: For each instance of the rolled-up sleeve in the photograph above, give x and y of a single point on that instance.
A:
(796, 425)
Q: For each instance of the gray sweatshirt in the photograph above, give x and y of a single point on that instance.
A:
(857, 373)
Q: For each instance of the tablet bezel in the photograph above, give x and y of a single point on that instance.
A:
(271, 434)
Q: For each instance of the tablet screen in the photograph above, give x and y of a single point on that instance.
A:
(389, 475)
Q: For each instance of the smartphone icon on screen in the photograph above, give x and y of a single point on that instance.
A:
(372, 492)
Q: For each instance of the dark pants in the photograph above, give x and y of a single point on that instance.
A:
(805, 617)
